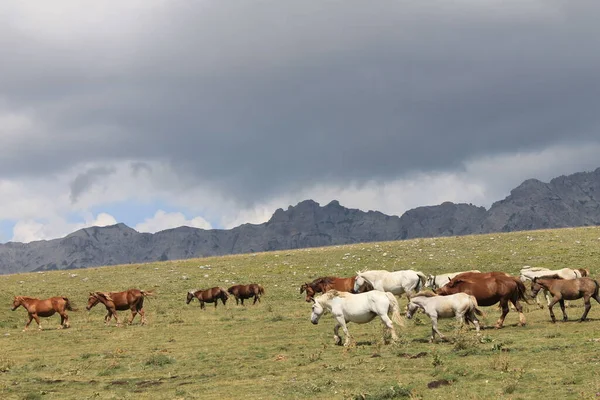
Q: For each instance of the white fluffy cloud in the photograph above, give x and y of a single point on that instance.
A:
(166, 220)
(31, 230)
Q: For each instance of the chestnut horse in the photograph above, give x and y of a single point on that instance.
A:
(323, 284)
(211, 295)
(132, 299)
(37, 308)
(567, 289)
(490, 288)
(243, 292)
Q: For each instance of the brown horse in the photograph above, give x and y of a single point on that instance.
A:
(567, 289)
(323, 284)
(490, 288)
(243, 292)
(132, 299)
(211, 295)
(44, 308)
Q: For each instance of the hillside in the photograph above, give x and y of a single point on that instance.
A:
(272, 351)
(566, 201)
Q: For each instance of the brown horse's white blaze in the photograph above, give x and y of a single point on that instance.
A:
(567, 289)
(44, 308)
(490, 288)
(132, 299)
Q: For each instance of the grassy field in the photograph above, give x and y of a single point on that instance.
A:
(271, 350)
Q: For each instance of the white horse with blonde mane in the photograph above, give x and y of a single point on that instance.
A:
(528, 273)
(359, 308)
(459, 305)
(396, 282)
(438, 281)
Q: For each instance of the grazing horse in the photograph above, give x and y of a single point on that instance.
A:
(322, 285)
(243, 292)
(437, 281)
(460, 305)
(211, 295)
(397, 282)
(490, 288)
(567, 289)
(360, 308)
(37, 308)
(132, 299)
(530, 273)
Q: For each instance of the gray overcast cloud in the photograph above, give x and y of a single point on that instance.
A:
(256, 99)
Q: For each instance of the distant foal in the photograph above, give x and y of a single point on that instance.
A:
(44, 308)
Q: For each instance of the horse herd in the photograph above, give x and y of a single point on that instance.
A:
(369, 294)
(454, 295)
(132, 299)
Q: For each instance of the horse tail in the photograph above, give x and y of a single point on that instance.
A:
(395, 309)
(422, 280)
(474, 306)
(597, 288)
(146, 293)
(68, 305)
(521, 290)
(224, 292)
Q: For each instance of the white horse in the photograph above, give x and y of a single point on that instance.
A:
(528, 273)
(360, 308)
(437, 281)
(397, 282)
(459, 305)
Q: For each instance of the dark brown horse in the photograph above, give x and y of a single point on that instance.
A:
(37, 308)
(490, 288)
(243, 292)
(132, 299)
(567, 289)
(211, 295)
(323, 284)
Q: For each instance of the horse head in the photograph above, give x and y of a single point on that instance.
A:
(359, 282)
(17, 301)
(411, 309)
(310, 293)
(303, 288)
(190, 296)
(317, 311)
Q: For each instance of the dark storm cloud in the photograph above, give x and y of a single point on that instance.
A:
(85, 180)
(262, 97)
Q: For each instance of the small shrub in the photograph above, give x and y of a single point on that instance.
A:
(6, 364)
(393, 392)
(159, 360)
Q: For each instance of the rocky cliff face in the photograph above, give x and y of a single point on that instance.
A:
(565, 201)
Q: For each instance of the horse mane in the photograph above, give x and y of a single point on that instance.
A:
(425, 293)
(193, 291)
(555, 276)
(584, 272)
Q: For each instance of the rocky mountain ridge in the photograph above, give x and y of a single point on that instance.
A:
(566, 201)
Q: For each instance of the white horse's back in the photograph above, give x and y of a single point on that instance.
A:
(396, 282)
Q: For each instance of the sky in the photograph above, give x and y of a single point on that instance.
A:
(162, 113)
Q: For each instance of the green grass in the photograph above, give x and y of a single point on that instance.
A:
(271, 350)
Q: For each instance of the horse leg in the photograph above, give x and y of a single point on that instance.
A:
(473, 318)
(62, 321)
(390, 326)
(202, 306)
(237, 302)
(133, 314)
(552, 303)
(434, 328)
(588, 305)
(242, 300)
(562, 307)
(504, 306)
(37, 319)
(255, 299)
(342, 323)
(107, 318)
(519, 309)
(143, 315)
(336, 336)
(28, 322)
